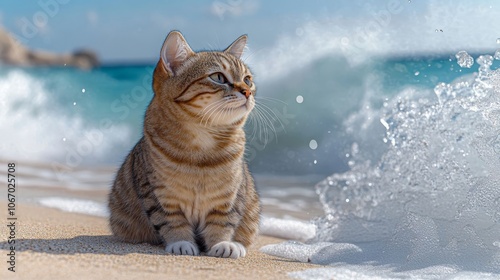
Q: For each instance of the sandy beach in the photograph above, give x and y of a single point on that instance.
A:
(51, 244)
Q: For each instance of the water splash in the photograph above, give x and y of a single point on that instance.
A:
(464, 59)
(433, 196)
(497, 54)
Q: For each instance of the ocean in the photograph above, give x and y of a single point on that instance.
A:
(88, 118)
(388, 166)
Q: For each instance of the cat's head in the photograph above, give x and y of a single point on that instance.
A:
(214, 88)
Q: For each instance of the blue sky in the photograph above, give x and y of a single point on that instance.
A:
(130, 30)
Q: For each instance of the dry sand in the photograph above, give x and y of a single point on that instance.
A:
(51, 244)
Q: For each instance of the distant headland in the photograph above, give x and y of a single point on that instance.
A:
(14, 53)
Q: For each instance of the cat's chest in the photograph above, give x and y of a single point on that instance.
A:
(197, 195)
(197, 210)
(201, 201)
(201, 140)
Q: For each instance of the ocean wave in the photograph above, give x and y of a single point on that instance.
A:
(431, 197)
(46, 119)
(426, 205)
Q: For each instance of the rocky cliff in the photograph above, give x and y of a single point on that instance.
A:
(14, 53)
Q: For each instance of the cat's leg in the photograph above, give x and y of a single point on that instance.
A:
(220, 224)
(247, 229)
(171, 224)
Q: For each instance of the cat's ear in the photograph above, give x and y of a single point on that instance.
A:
(238, 46)
(175, 51)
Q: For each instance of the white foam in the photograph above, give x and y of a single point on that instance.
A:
(287, 229)
(314, 253)
(426, 207)
(348, 261)
(38, 129)
(375, 272)
(74, 205)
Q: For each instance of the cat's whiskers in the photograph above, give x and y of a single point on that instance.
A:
(264, 119)
(222, 113)
(259, 127)
(217, 112)
(271, 115)
(267, 125)
(209, 110)
(257, 121)
(267, 98)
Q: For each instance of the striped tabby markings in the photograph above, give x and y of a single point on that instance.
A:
(186, 183)
(207, 162)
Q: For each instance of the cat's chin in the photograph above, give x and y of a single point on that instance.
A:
(233, 115)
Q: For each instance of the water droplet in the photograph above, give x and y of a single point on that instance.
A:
(464, 60)
(417, 73)
(497, 55)
(74, 103)
(498, 40)
(299, 99)
(441, 89)
(313, 144)
(315, 161)
(385, 124)
(347, 200)
(485, 60)
(64, 139)
(83, 90)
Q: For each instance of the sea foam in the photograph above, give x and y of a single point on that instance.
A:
(287, 229)
(428, 205)
(47, 118)
(75, 205)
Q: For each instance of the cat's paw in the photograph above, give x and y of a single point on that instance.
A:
(183, 248)
(227, 249)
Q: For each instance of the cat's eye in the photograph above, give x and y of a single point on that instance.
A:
(218, 78)
(248, 81)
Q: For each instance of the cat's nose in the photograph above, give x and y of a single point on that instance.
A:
(246, 92)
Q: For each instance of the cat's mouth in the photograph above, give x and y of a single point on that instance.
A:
(238, 104)
(232, 111)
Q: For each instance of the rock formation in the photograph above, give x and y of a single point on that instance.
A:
(14, 53)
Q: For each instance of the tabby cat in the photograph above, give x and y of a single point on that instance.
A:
(185, 183)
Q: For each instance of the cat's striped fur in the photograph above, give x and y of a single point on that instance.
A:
(185, 184)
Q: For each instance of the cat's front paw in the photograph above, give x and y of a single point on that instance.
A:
(227, 249)
(183, 248)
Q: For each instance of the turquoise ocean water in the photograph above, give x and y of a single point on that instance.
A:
(79, 118)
